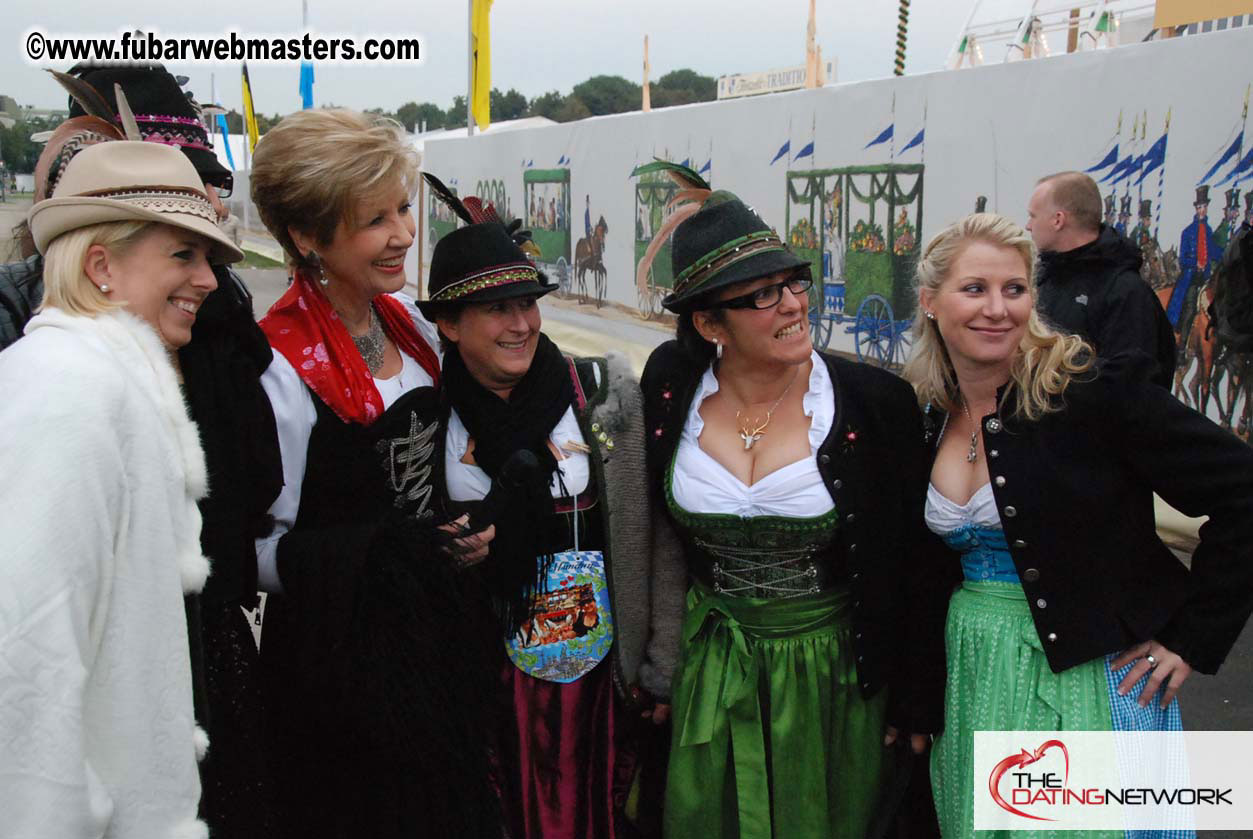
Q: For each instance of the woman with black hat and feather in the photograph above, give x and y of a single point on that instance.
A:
(793, 479)
(550, 449)
(377, 688)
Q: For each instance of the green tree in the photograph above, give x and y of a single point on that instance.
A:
(546, 105)
(455, 117)
(682, 87)
(608, 95)
(427, 113)
(505, 106)
(572, 108)
(17, 149)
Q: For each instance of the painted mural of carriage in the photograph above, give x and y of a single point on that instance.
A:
(546, 213)
(653, 191)
(859, 226)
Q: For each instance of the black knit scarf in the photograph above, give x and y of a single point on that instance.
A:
(500, 428)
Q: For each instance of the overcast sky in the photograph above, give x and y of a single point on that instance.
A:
(537, 45)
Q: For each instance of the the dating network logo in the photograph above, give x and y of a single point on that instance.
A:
(1046, 784)
(1112, 780)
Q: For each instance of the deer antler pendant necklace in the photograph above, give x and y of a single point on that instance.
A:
(751, 433)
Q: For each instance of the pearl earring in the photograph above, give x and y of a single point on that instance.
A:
(104, 288)
(930, 315)
(316, 262)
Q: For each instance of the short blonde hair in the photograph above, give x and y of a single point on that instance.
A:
(66, 284)
(1076, 195)
(311, 169)
(1045, 361)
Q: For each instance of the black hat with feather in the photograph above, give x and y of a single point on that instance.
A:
(163, 111)
(482, 262)
(718, 240)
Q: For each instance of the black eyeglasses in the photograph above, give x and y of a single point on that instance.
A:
(224, 185)
(767, 296)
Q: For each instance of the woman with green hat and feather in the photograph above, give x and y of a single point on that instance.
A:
(793, 479)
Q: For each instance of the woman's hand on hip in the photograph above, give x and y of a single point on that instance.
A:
(1163, 667)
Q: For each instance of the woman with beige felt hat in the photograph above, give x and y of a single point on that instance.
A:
(100, 529)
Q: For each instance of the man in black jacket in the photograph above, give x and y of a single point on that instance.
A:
(1089, 275)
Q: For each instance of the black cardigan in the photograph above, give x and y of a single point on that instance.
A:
(875, 465)
(1074, 490)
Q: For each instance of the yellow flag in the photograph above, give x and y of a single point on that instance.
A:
(250, 116)
(481, 72)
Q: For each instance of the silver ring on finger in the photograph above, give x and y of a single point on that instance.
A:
(1151, 660)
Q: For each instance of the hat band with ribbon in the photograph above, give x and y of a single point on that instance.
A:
(724, 256)
(160, 200)
(499, 275)
(180, 132)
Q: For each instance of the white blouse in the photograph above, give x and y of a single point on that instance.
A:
(468, 482)
(944, 515)
(703, 485)
(295, 416)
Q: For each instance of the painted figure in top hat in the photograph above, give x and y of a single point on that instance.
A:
(1230, 223)
(1248, 209)
(1197, 253)
(1124, 214)
(1142, 233)
(1111, 209)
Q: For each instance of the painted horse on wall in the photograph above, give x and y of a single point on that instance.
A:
(589, 253)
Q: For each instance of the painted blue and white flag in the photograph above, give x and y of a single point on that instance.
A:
(783, 150)
(1109, 160)
(917, 141)
(1232, 151)
(884, 136)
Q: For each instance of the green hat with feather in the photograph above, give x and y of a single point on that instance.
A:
(718, 241)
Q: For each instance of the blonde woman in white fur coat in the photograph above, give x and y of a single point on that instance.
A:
(99, 530)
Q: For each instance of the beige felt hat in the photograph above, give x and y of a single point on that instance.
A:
(130, 181)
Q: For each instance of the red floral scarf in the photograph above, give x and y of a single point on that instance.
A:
(307, 331)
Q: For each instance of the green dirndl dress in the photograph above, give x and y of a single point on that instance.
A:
(999, 680)
(772, 737)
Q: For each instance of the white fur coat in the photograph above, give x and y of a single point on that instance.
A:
(100, 470)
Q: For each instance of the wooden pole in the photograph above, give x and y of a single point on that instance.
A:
(646, 103)
(1072, 33)
(902, 34)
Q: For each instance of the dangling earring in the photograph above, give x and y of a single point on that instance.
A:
(104, 288)
(718, 349)
(316, 262)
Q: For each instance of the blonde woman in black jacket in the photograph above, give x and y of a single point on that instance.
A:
(1072, 614)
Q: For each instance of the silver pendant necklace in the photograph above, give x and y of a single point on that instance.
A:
(372, 344)
(973, 454)
(750, 433)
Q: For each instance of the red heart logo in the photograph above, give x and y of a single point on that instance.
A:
(1025, 758)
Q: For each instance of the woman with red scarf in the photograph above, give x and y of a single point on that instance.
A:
(375, 680)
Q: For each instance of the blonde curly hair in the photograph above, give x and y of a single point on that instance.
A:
(1045, 362)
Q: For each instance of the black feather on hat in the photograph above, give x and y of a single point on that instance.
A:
(481, 262)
